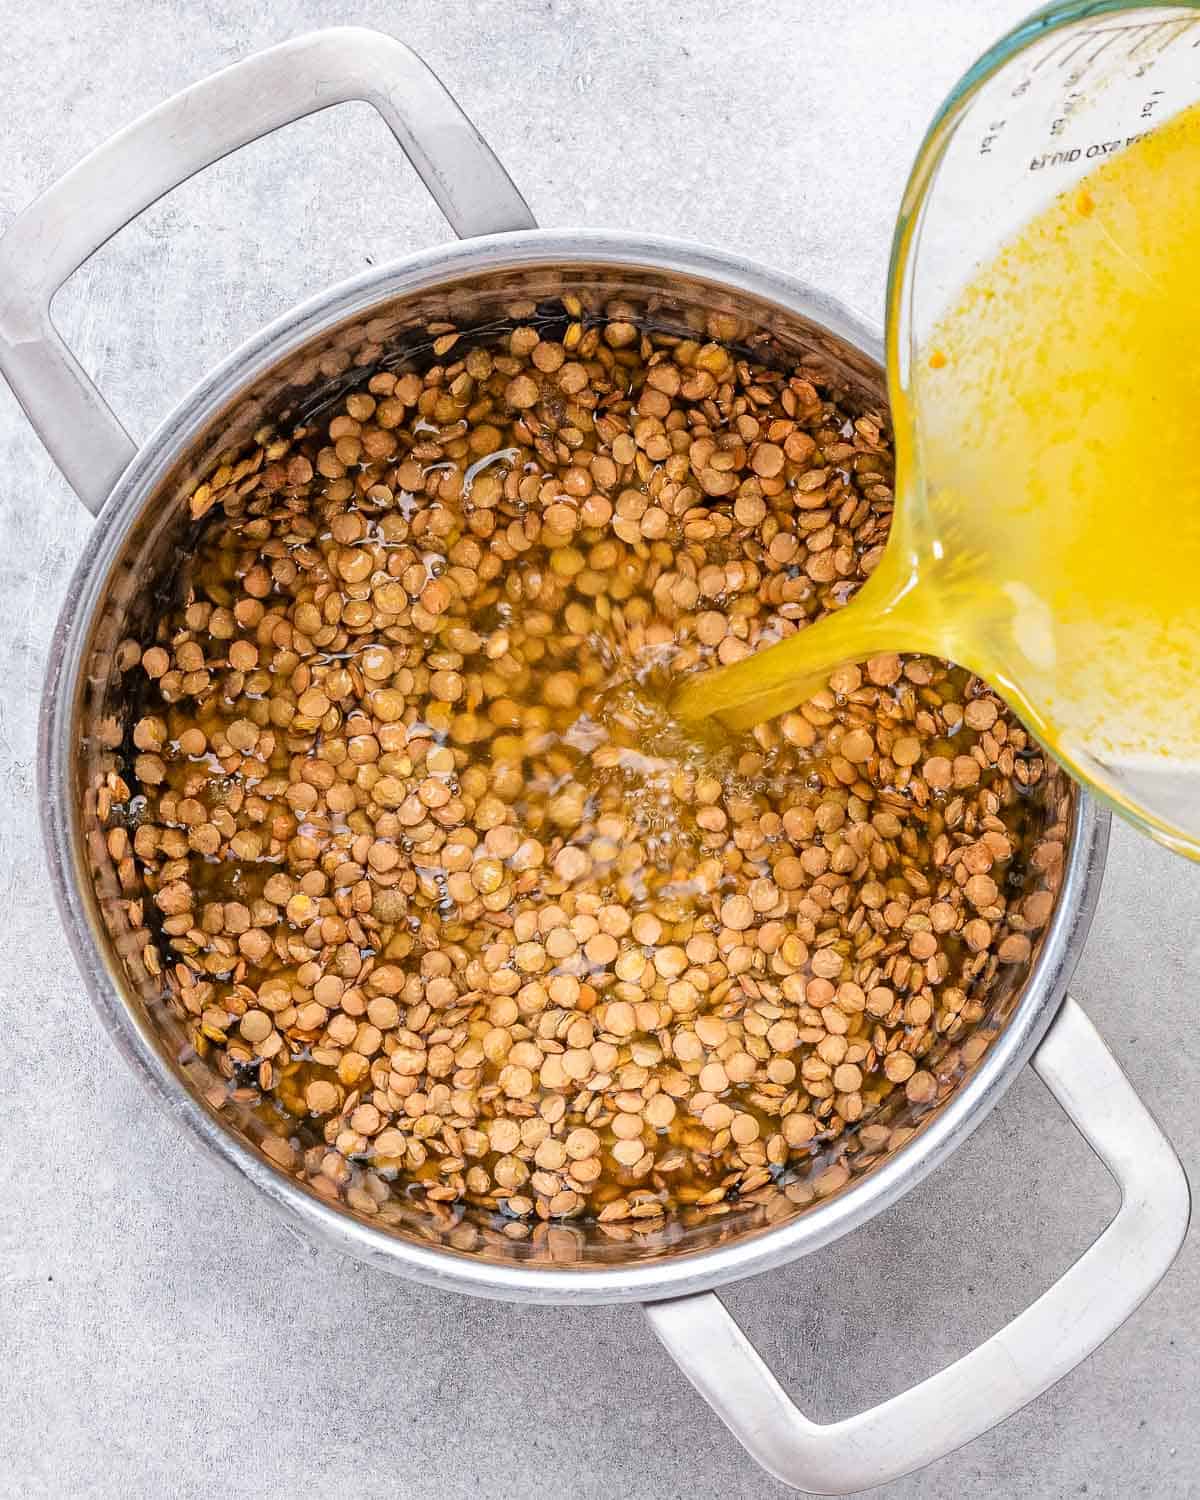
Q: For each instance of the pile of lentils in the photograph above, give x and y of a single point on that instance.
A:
(439, 888)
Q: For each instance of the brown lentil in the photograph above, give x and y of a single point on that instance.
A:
(423, 843)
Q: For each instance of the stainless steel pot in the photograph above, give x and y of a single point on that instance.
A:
(309, 356)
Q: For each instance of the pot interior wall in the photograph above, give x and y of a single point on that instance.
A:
(144, 580)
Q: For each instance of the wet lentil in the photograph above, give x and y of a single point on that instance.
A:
(435, 873)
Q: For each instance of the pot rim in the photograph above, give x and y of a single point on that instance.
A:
(672, 1274)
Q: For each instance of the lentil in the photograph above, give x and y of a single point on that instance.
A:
(423, 842)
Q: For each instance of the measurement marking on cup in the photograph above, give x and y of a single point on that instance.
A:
(989, 140)
(1085, 62)
(1091, 152)
(1145, 32)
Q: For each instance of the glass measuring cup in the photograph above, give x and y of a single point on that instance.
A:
(1065, 92)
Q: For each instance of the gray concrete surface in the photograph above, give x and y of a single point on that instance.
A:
(160, 1336)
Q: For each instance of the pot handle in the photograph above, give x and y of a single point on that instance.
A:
(73, 218)
(1037, 1348)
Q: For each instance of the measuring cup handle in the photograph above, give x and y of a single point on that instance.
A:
(1037, 1348)
(72, 219)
